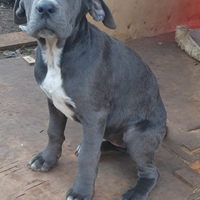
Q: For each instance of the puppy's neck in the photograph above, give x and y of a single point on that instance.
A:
(51, 52)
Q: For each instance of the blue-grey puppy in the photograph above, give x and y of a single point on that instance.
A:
(92, 78)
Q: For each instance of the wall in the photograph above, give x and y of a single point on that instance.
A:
(145, 18)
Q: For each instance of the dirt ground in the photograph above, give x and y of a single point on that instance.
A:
(7, 25)
(6, 15)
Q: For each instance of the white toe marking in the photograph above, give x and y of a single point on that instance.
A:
(70, 198)
(33, 167)
(78, 148)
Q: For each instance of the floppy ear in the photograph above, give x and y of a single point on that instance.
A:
(19, 13)
(101, 12)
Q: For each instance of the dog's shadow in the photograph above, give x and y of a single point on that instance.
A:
(118, 166)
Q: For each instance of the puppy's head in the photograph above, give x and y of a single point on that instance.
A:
(46, 18)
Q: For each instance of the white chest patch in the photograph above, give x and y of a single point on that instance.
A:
(52, 84)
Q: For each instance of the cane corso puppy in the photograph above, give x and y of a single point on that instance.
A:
(94, 79)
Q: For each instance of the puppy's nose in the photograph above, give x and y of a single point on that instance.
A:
(46, 9)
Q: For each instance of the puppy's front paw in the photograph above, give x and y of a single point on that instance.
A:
(72, 194)
(43, 162)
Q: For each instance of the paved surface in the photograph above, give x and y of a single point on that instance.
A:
(24, 121)
(16, 40)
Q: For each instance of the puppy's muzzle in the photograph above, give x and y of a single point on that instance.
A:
(46, 9)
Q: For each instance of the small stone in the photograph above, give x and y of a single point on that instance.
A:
(7, 52)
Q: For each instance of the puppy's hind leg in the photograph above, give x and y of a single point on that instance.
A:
(141, 145)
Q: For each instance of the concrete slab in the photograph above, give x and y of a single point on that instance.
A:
(24, 121)
(188, 176)
(16, 40)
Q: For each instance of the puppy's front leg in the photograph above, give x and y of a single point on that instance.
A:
(48, 158)
(93, 131)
